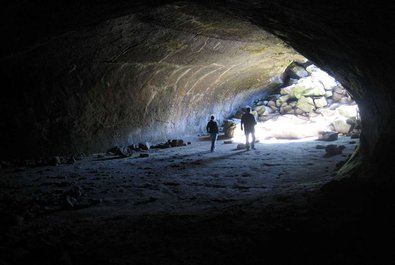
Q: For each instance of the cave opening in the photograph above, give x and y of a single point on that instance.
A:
(309, 105)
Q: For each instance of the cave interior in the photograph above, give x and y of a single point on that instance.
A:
(79, 78)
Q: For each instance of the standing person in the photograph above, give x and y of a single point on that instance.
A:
(248, 122)
(212, 129)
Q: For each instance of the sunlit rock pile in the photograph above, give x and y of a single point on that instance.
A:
(311, 103)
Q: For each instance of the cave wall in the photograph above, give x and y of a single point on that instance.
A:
(151, 75)
(68, 67)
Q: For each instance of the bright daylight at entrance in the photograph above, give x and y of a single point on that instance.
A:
(311, 105)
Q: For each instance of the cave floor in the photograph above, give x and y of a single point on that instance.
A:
(183, 205)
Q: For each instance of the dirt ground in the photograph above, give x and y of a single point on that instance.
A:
(186, 205)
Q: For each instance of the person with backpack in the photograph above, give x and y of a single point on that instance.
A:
(248, 123)
(212, 129)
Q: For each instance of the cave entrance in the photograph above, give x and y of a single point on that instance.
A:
(309, 105)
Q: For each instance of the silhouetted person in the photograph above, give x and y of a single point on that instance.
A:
(248, 122)
(212, 129)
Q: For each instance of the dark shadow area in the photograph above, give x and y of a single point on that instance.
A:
(221, 136)
(281, 233)
(109, 158)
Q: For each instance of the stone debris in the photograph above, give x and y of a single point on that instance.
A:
(241, 146)
(333, 149)
(121, 151)
(171, 143)
(131, 150)
(144, 146)
(308, 96)
(328, 136)
(71, 160)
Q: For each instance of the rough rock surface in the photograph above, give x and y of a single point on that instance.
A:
(149, 75)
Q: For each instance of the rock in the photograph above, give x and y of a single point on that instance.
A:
(70, 201)
(328, 136)
(272, 104)
(71, 160)
(338, 93)
(286, 109)
(54, 161)
(341, 126)
(292, 81)
(112, 151)
(295, 71)
(327, 81)
(229, 128)
(305, 87)
(180, 142)
(124, 151)
(314, 91)
(260, 109)
(306, 104)
(333, 149)
(80, 156)
(347, 111)
(241, 146)
(144, 146)
(355, 135)
(134, 147)
(283, 99)
(176, 142)
(162, 145)
(320, 102)
(298, 111)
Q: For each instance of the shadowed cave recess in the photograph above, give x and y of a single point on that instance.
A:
(81, 77)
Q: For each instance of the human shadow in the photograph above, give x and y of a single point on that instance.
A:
(221, 136)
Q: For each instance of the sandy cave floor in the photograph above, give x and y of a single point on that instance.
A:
(181, 205)
(180, 180)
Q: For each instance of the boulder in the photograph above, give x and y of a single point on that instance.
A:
(295, 71)
(306, 104)
(124, 151)
(229, 128)
(320, 102)
(327, 136)
(241, 146)
(341, 126)
(347, 111)
(333, 149)
(260, 109)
